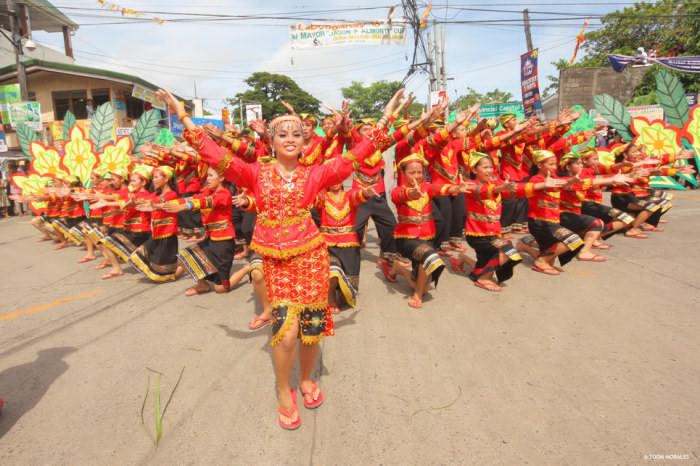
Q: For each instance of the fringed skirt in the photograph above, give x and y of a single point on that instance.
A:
(298, 288)
(92, 229)
(421, 253)
(156, 259)
(488, 257)
(209, 260)
(124, 242)
(606, 213)
(345, 267)
(68, 227)
(548, 234)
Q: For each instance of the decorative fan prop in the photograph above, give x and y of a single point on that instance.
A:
(82, 153)
(657, 136)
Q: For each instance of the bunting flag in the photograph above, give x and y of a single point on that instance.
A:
(580, 39)
(128, 11)
(426, 13)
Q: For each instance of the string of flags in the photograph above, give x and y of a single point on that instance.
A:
(128, 11)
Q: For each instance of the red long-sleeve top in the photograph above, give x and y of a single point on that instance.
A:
(284, 226)
(216, 208)
(572, 198)
(315, 151)
(415, 217)
(444, 166)
(163, 223)
(113, 215)
(369, 170)
(544, 205)
(135, 220)
(484, 207)
(338, 212)
(70, 208)
(54, 205)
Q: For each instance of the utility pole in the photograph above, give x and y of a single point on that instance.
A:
(436, 56)
(443, 67)
(528, 33)
(431, 64)
(17, 44)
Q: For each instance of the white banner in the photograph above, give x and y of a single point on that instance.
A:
(253, 112)
(149, 96)
(305, 36)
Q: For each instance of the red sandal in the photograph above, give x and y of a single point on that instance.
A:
(551, 271)
(259, 322)
(285, 417)
(456, 265)
(317, 400)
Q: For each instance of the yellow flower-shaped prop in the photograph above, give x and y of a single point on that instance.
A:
(45, 161)
(115, 155)
(79, 158)
(657, 137)
(606, 157)
(32, 184)
(691, 129)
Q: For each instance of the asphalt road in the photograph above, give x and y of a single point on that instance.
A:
(600, 365)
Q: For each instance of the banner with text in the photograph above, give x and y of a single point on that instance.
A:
(306, 36)
(532, 101)
(496, 110)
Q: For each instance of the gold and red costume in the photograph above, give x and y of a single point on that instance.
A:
(416, 228)
(157, 257)
(295, 258)
(482, 230)
(338, 211)
(136, 225)
(211, 259)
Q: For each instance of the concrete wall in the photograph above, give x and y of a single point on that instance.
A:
(578, 86)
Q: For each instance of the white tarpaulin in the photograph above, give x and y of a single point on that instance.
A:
(305, 36)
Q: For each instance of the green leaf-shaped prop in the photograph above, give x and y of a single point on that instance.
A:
(165, 138)
(26, 135)
(617, 115)
(671, 96)
(68, 123)
(102, 125)
(583, 123)
(145, 129)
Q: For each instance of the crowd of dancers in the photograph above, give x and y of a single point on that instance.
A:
(275, 197)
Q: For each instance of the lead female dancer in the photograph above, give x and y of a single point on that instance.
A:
(295, 257)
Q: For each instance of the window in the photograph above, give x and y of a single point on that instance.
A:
(99, 97)
(134, 107)
(69, 100)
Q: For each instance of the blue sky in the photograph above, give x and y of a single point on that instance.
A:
(220, 55)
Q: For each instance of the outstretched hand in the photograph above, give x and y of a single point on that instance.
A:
(174, 105)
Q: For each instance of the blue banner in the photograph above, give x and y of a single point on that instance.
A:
(532, 101)
(177, 128)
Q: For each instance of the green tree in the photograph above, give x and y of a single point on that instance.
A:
(269, 89)
(472, 97)
(369, 101)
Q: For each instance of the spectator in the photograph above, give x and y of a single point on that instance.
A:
(4, 198)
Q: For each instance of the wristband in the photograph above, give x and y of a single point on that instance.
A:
(189, 204)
